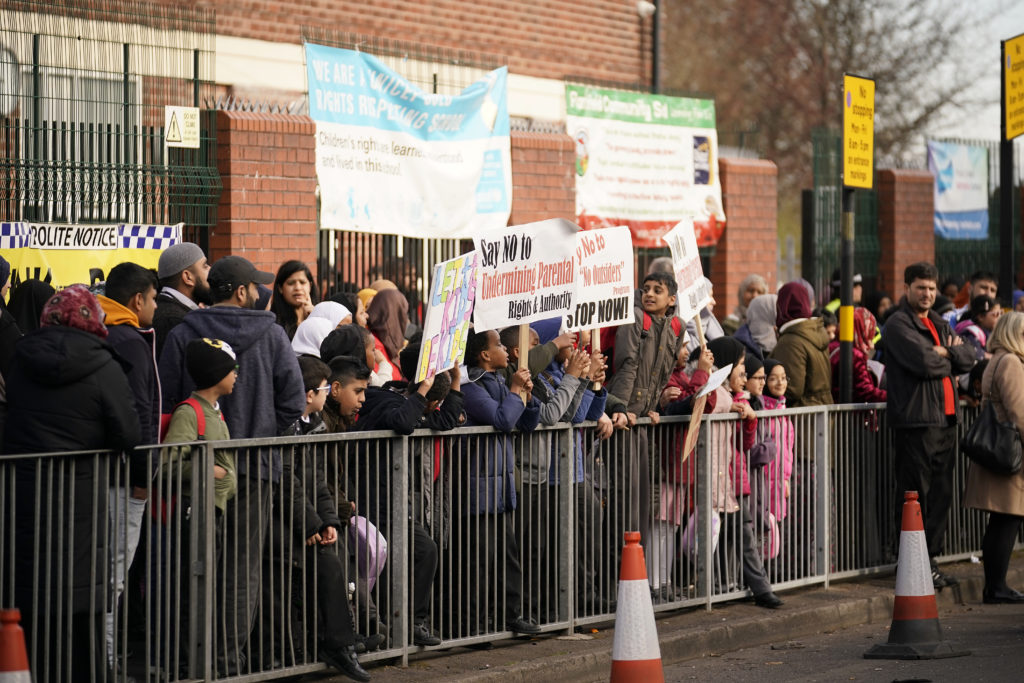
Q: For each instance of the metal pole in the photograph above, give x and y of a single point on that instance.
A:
(846, 301)
(656, 48)
(37, 129)
(195, 78)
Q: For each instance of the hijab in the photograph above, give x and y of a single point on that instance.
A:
(792, 304)
(330, 310)
(740, 312)
(864, 329)
(727, 350)
(76, 307)
(27, 301)
(389, 316)
(310, 334)
(761, 321)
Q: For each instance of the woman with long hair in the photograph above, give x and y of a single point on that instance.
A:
(1002, 496)
(295, 294)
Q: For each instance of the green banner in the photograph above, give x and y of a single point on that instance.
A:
(638, 107)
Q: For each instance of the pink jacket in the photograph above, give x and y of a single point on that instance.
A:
(781, 468)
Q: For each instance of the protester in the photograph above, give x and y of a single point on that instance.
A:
(780, 470)
(922, 358)
(709, 323)
(66, 392)
(183, 271)
(866, 384)
(295, 294)
(802, 348)
(9, 335)
(310, 335)
(352, 303)
(751, 287)
(267, 398)
(1002, 496)
(333, 311)
(27, 302)
(758, 333)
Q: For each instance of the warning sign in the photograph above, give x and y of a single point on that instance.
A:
(1013, 87)
(858, 131)
(181, 127)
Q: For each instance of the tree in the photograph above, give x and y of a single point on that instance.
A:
(775, 69)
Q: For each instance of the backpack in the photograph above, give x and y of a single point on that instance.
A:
(608, 337)
(165, 419)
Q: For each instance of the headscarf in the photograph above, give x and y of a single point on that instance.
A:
(761, 321)
(727, 350)
(740, 312)
(864, 329)
(330, 310)
(75, 307)
(752, 364)
(389, 316)
(5, 271)
(27, 301)
(546, 329)
(346, 340)
(382, 285)
(366, 296)
(309, 335)
(792, 304)
(807, 286)
(769, 365)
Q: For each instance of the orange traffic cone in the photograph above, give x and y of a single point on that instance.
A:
(915, 632)
(13, 657)
(636, 655)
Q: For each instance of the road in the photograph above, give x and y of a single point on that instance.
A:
(993, 633)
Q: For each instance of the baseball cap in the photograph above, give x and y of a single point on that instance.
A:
(231, 272)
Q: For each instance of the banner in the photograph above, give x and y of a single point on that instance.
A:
(446, 323)
(604, 279)
(526, 273)
(393, 159)
(65, 254)
(694, 293)
(646, 161)
(961, 190)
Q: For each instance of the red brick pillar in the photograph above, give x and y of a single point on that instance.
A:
(543, 180)
(267, 211)
(906, 224)
(750, 242)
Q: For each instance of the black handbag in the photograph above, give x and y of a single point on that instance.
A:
(994, 445)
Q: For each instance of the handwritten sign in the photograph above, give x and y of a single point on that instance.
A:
(693, 294)
(446, 325)
(604, 282)
(527, 273)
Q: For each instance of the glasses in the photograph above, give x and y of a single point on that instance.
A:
(759, 378)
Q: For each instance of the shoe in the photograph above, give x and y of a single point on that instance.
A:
(940, 580)
(1007, 595)
(422, 636)
(344, 660)
(522, 627)
(768, 600)
(368, 643)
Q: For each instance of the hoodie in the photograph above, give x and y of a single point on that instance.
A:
(268, 396)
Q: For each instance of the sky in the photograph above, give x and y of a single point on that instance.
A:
(983, 123)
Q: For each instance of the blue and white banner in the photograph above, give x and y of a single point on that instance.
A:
(393, 159)
(961, 190)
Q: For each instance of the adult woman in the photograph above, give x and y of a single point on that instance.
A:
(389, 316)
(1001, 496)
(758, 333)
(802, 348)
(866, 384)
(295, 294)
(752, 286)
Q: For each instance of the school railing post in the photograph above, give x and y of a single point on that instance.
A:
(821, 525)
(565, 482)
(399, 556)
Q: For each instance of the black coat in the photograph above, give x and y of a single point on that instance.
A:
(66, 392)
(169, 314)
(135, 347)
(915, 371)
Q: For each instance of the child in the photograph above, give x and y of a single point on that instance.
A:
(779, 470)
(212, 366)
(318, 523)
(644, 356)
(490, 476)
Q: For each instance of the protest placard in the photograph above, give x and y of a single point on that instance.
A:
(694, 293)
(452, 292)
(526, 273)
(604, 282)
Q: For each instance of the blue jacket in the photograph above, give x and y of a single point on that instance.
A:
(268, 397)
(591, 408)
(492, 461)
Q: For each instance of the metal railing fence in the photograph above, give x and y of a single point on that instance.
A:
(235, 591)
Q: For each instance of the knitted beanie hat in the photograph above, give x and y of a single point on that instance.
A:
(208, 361)
(74, 306)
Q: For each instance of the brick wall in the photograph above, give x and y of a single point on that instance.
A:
(750, 242)
(543, 177)
(906, 232)
(600, 39)
(267, 210)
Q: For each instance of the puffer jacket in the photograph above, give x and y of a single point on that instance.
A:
(803, 351)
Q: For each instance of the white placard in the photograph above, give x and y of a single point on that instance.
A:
(604, 282)
(693, 294)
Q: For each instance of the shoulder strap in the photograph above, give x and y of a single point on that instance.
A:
(646, 326)
(677, 325)
(200, 416)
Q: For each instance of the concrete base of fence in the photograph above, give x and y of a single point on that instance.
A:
(693, 633)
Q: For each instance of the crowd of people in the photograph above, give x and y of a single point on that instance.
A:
(222, 352)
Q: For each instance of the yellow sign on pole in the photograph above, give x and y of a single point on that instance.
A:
(1013, 87)
(858, 132)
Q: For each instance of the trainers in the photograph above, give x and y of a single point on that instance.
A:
(940, 580)
(522, 627)
(422, 636)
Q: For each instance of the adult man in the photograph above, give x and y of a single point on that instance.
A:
(981, 283)
(267, 399)
(837, 287)
(183, 271)
(129, 305)
(922, 358)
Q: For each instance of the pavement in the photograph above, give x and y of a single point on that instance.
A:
(685, 634)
